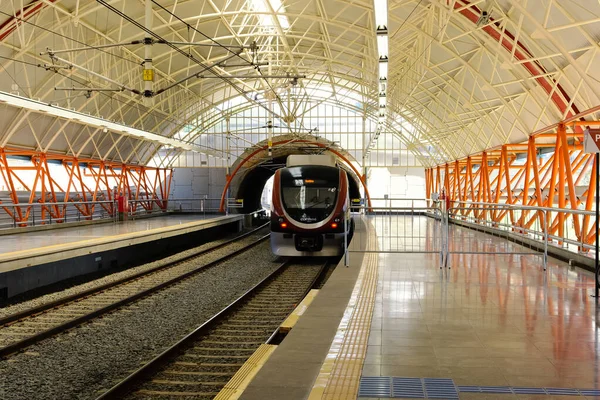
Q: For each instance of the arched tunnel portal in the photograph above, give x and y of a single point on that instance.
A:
(249, 181)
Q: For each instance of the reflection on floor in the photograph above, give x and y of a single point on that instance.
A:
(490, 320)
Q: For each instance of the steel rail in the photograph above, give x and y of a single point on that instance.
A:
(120, 390)
(33, 312)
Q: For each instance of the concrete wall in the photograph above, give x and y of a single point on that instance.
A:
(190, 183)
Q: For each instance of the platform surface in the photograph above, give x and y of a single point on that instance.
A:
(493, 326)
(30, 240)
(19, 246)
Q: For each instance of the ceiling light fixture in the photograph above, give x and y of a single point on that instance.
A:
(382, 44)
(382, 101)
(381, 19)
(383, 69)
(381, 33)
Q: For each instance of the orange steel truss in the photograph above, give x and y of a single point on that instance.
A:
(518, 174)
(87, 180)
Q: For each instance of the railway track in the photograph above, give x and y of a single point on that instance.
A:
(199, 365)
(23, 329)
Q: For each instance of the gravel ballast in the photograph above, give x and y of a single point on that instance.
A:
(73, 290)
(87, 360)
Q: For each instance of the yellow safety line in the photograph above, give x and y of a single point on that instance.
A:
(340, 374)
(240, 381)
(293, 318)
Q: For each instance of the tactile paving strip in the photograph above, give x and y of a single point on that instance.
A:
(445, 388)
(339, 376)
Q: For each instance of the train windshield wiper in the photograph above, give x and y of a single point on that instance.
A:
(315, 204)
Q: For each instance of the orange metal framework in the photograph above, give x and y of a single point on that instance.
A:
(516, 174)
(145, 184)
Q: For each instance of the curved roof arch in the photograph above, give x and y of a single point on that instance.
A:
(459, 86)
(214, 123)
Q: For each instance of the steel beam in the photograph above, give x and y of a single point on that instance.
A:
(87, 180)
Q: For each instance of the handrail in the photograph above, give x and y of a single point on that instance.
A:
(59, 203)
(179, 199)
(394, 208)
(399, 198)
(523, 207)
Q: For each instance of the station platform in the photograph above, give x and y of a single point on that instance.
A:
(30, 260)
(397, 324)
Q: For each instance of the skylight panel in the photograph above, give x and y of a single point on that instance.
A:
(265, 18)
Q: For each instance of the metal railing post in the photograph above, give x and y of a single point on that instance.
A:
(33, 214)
(346, 258)
(14, 217)
(545, 258)
(447, 238)
(441, 236)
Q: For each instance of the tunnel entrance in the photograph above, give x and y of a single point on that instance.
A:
(251, 186)
(267, 193)
(255, 190)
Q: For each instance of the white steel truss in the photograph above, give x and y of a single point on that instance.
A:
(457, 83)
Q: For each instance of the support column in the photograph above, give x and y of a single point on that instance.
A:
(364, 157)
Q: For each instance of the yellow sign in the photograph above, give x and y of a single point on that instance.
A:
(148, 75)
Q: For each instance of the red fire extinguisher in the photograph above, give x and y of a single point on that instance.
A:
(122, 205)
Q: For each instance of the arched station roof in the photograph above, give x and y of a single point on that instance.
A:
(457, 83)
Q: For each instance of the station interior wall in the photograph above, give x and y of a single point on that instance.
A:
(197, 183)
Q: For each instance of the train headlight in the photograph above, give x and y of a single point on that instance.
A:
(334, 225)
(280, 219)
(283, 225)
(337, 220)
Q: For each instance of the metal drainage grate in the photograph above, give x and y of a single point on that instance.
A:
(562, 391)
(414, 388)
(529, 390)
(403, 388)
(375, 386)
(590, 392)
(444, 388)
(440, 388)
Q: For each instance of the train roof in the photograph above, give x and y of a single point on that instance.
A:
(296, 160)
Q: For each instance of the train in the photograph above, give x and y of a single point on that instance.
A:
(310, 207)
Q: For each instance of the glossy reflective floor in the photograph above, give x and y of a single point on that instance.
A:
(32, 240)
(489, 320)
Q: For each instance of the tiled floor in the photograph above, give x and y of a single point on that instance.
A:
(31, 240)
(489, 320)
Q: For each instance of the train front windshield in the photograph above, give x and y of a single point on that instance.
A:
(309, 193)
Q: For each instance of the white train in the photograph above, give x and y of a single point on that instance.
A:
(310, 207)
